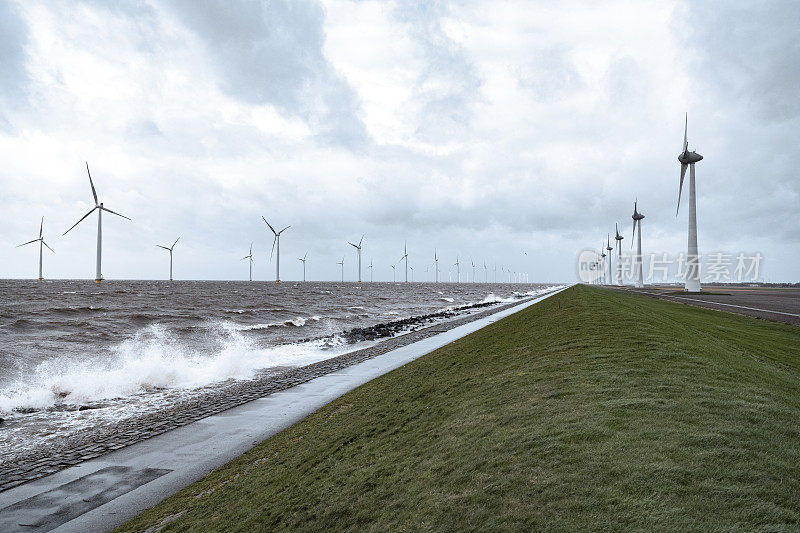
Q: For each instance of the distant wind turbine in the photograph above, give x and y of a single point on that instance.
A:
(458, 270)
(98, 206)
(169, 249)
(41, 242)
(619, 238)
(436, 265)
(250, 257)
(303, 260)
(602, 265)
(276, 240)
(412, 273)
(473, 270)
(637, 219)
(485, 273)
(405, 256)
(358, 251)
(370, 267)
(609, 249)
(342, 265)
(394, 271)
(688, 158)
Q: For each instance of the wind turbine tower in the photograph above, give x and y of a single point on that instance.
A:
(602, 274)
(276, 240)
(250, 257)
(405, 256)
(436, 265)
(609, 249)
(370, 267)
(169, 249)
(689, 159)
(41, 242)
(358, 252)
(637, 220)
(98, 206)
(619, 238)
(458, 270)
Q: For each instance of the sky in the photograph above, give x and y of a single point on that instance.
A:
(508, 133)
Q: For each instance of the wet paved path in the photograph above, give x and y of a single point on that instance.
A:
(105, 492)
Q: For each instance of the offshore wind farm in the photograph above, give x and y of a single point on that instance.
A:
(351, 278)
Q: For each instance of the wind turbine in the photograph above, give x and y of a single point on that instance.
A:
(637, 218)
(249, 256)
(303, 260)
(436, 265)
(688, 158)
(358, 251)
(485, 273)
(458, 270)
(169, 249)
(495, 272)
(619, 238)
(40, 240)
(394, 271)
(603, 265)
(276, 240)
(412, 273)
(370, 270)
(473, 270)
(610, 257)
(405, 256)
(98, 206)
(342, 265)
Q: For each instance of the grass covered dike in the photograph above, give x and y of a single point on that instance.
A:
(615, 411)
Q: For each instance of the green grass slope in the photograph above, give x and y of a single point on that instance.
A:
(614, 412)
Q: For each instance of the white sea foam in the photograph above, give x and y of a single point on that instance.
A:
(451, 300)
(154, 359)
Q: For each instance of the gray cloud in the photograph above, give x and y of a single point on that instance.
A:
(13, 73)
(271, 52)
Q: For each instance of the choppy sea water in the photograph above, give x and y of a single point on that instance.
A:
(125, 347)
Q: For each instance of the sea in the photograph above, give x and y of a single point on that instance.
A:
(74, 354)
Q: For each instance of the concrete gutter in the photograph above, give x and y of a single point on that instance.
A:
(104, 493)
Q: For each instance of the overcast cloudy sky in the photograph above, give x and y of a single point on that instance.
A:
(507, 132)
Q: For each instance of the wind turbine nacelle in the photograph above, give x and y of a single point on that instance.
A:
(637, 216)
(619, 237)
(687, 158)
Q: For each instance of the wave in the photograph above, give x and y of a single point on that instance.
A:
(155, 359)
(296, 322)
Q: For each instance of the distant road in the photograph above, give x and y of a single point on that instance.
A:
(779, 304)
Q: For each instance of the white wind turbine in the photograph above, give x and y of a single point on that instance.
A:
(394, 272)
(98, 206)
(250, 257)
(473, 270)
(458, 270)
(41, 242)
(436, 265)
(609, 249)
(276, 240)
(602, 273)
(370, 267)
(637, 219)
(405, 256)
(169, 249)
(342, 265)
(619, 238)
(358, 251)
(412, 273)
(485, 273)
(303, 260)
(688, 158)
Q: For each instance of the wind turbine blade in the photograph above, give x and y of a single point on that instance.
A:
(243, 258)
(284, 229)
(29, 242)
(251, 249)
(634, 232)
(81, 220)
(174, 243)
(274, 239)
(48, 247)
(362, 240)
(680, 187)
(94, 193)
(113, 212)
(270, 225)
(351, 244)
(164, 247)
(41, 227)
(685, 133)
